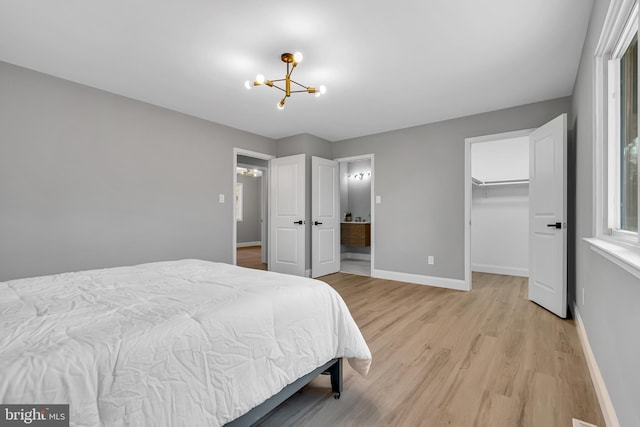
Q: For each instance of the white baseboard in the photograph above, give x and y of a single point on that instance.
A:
(440, 282)
(498, 269)
(247, 244)
(608, 412)
(354, 255)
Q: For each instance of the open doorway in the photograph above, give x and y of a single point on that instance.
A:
(547, 206)
(250, 222)
(497, 205)
(356, 207)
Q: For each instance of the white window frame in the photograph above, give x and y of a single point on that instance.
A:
(620, 248)
(621, 24)
(629, 30)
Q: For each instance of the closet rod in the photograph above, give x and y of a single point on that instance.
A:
(501, 182)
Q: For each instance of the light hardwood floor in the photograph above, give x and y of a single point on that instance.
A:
(251, 257)
(488, 357)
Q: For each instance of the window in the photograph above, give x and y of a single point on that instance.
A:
(628, 138)
(617, 58)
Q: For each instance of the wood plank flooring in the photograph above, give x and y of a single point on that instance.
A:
(488, 357)
(250, 256)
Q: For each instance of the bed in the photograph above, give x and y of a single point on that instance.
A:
(174, 343)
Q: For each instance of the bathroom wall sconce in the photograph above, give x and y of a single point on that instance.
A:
(359, 175)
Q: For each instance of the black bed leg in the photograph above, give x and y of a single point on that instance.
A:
(336, 378)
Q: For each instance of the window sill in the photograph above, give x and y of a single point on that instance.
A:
(625, 257)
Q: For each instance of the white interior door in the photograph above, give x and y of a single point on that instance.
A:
(325, 217)
(547, 221)
(287, 215)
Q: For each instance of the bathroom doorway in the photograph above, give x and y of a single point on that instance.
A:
(356, 207)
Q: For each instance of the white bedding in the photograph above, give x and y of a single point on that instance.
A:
(170, 343)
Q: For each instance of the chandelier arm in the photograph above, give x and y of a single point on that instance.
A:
(293, 81)
(299, 91)
(289, 72)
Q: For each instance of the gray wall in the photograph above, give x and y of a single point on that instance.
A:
(248, 230)
(419, 173)
(309, 145)
(90, 179)
(344, 189)
(610, 313)
(359, 191)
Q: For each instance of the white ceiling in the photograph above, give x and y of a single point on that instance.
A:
(386, 64)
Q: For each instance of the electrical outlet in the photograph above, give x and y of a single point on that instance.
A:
(430, 259)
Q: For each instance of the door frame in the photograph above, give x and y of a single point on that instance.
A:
(371, 157)
(265, 178)
(468, 191)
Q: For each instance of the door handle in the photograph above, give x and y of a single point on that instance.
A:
(298, 222)
(556, 225)
(317, 223)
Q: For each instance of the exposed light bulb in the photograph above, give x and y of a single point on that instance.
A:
(260, 78)
(323, 89)
(281, 103)
(297, 57)
(247, 84)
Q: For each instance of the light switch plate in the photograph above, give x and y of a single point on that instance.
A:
(378, 199)
(220, 198)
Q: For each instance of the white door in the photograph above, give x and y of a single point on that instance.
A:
(325, 217)
(287, 215)
(547, 220)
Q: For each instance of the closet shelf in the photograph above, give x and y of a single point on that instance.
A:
(479, 183)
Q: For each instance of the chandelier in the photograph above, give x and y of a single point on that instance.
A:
(292, 60)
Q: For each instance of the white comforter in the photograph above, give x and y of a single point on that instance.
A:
(170, 343)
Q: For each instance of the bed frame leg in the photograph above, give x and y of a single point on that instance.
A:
(336, 378)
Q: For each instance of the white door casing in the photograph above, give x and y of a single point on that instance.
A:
(287, 215)
(547, 220)
(325, 217)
